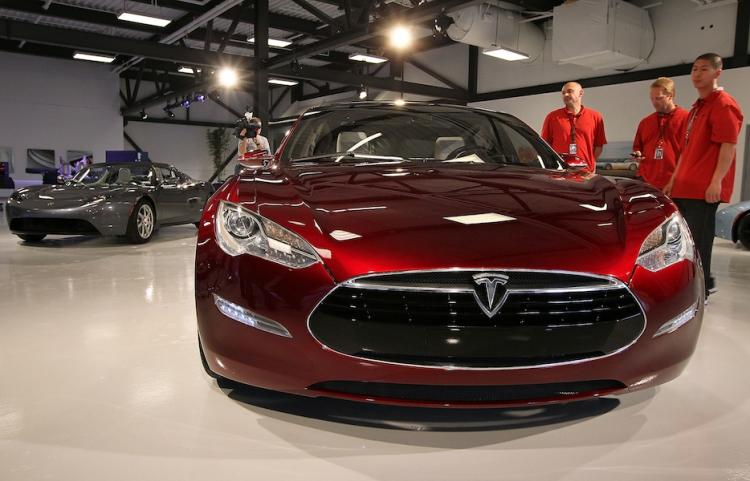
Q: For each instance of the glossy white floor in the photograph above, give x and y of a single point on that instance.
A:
(100, 379)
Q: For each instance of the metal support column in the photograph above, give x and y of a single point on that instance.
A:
(260, 87)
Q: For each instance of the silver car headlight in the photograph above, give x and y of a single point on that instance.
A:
(240, 231)
(668, 244)
(18, 196)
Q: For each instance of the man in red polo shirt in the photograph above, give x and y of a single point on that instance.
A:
(704, 175)
(659, 138)
(575, 132)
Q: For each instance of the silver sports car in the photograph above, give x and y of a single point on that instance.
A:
(733, 223)
(130, 199)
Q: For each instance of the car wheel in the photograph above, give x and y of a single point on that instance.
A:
(32, 237)
(607, 166)
(206, 367)
(141, 224)
(743, 231)
(633, 167)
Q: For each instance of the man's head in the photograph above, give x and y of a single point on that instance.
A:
(572, 92)
(662, 95)
(706, 71)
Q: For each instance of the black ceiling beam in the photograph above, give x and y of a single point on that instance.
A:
(418, 14)
(473, 69)
(215, 98)
(173, 121)
(14, 30)
(348, 78)
(159, 98)
(320, 14)
(235, 21)
(436, 75)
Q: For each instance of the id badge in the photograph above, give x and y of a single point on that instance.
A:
(573, 149)
(659, 153)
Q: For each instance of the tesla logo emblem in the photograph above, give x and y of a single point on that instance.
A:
(490, 292)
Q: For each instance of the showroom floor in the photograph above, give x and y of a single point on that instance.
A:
(100, 379)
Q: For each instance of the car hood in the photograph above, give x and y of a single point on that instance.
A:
(364, 220)
(69, 195)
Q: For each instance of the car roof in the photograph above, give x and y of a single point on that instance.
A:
(130, 164)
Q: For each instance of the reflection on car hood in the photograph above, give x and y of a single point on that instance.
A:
(65, 196)
(371, 219)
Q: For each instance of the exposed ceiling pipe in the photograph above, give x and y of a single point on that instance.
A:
(178, 34)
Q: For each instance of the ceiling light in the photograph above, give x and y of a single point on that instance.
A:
(188, 70)
(366, 57)
(133, 17)
(228, 77)
(170, 114)
(399, 102)
(362, 93)
(144, 115)
(506, 54)
(401, 37)
(281, 81)
(273, 42)
(94, 57)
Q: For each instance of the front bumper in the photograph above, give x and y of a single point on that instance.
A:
(299, 364)
(106, 218)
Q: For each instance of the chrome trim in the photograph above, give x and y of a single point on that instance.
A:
(612, 280)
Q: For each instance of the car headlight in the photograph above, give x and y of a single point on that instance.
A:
(239, 231)
(668, 244)
(18, 196)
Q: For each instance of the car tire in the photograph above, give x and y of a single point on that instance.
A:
(607, 166)
(633, 167)
(32, 237)
(206, 367)
(142, 223)
(743, 231)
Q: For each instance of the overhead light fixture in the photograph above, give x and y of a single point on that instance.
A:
(362, 93)
(199, 97)
(366, 57)
(94, 57)
(399, 102)
(144, 115)
(185, 102)
(134, 17)
(506, 54)
(281, 81)
(188, 70)
(228, 77)
(170, 114)
(273, 42)
(401, 37)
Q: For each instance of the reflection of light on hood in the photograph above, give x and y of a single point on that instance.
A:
(324, 253)
(46, 197)
(594, 207)
(642, 196)
(488, 218)
(342, 235)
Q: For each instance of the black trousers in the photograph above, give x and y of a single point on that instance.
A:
(701, 218)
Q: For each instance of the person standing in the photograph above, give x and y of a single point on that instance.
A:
(704, 175)
(659, 138)
(574, 131)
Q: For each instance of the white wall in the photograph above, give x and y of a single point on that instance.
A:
(57, 104)
(624, 105)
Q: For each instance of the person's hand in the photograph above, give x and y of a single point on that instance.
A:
(713, 193)
(668, 188)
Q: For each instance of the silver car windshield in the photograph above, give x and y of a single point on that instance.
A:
(417, 133)
(104, 174)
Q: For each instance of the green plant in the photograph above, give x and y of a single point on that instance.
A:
(218, 140)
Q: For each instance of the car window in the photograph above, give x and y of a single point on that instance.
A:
(418, 133)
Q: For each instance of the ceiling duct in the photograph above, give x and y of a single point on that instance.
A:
(492, 28)
(601, 34)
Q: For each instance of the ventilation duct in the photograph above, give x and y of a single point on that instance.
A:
(601, 34)
(493, 28)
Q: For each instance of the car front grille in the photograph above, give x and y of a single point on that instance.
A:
(38, 225)
(435, 319)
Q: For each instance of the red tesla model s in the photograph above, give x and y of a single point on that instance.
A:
(435, 255)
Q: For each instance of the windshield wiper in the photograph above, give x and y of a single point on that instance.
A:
(349, 155)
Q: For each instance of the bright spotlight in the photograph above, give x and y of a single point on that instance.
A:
(399, 102)
(362, 93)
(228, 77)
(401, 37)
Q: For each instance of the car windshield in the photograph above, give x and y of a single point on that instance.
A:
(104, 174)
(427, 133)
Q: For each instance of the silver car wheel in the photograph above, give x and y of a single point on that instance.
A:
(145, 221)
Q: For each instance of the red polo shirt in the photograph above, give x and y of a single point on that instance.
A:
(665, 132)
(716, 120)
(589, 133)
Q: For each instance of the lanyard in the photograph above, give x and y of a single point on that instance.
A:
(572, 118)
(662, 119)
(693, 112)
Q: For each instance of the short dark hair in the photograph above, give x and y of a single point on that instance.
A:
(713, 58)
